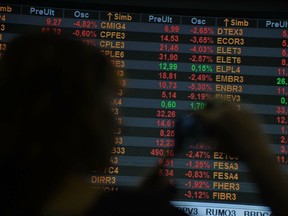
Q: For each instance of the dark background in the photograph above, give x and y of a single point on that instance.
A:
(220, 5)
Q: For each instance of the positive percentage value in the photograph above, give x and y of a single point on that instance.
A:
(201, 68)
(197, 105)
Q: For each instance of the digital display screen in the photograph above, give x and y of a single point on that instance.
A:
(170, 63)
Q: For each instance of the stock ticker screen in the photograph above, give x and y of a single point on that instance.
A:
(171, 63)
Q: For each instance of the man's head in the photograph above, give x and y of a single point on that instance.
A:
(55, 109)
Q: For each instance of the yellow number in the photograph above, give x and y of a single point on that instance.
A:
(117, 101)
(118, 150)
(2, 27)
(120, 92)
(3, 18)
(115, 111)
(118, 131)
(2, 47)
(114, 160)
(123, 83)
(120, 73)
(119, 121)
(118, 140)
